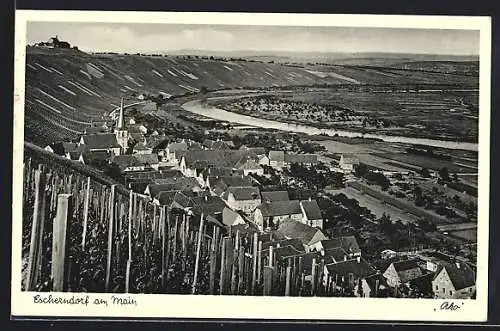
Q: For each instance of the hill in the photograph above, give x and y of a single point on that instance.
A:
(66, 90)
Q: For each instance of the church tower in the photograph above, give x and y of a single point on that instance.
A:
(120, 130)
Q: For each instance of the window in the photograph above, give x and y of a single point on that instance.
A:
(470, 289)
(451, 292)
(444, 290)
(437, 287)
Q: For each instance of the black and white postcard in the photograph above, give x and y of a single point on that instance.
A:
(261, 166)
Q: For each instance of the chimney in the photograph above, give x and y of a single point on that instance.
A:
(345, 257)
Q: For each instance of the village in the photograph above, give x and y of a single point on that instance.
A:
(288, 197)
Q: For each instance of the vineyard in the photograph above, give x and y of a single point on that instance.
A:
(83, 233)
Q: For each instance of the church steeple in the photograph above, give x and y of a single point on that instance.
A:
(119, 125)
(120, 130)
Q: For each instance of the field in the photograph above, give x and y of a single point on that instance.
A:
(468, 235)
(447, 113)
(377, 207)
(429, 162)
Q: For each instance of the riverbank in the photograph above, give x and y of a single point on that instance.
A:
(194, 106)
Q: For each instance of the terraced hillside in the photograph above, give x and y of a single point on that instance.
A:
(68, 89)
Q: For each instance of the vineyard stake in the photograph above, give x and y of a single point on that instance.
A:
(313, 277)
(213, 261)
(241, 265)
(168, 237)
(254, 261)
(233, 263)
(129, 237)
(86, 213)
(197, 261)
(35, 230)
(287, 284)
(60, 234)
(110, 236)
(259, 262)
(222, 267)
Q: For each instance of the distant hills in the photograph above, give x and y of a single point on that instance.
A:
(327, 57)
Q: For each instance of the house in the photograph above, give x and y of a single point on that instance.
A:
(128, 163)
(277, 159)
(302, 159)
(422, 286)
(305, 233)
(176, 184)
(253, 150)
(454, 281)
(347, 163)
(101, 142)
(173, 149)
(293, 242)
(165, 198)
(96, 129)
(94, 158)
(348, 243)
(402, 272)
(388, 254)
(272, 196)
(345, 276)
(137, 128)
(219, 185)
(249, 164)
(271, 214)
(218, 144)
(211, 207)
(141, 148)
(231, 218)
(311, 213)
(244, 198)
(371, 286)
(63, 148)
(214, 173)
(148, 160)
(263, 160)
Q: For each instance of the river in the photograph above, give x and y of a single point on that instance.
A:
(224, 115)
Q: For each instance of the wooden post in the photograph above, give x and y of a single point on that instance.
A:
(110, 235)
(174, 240)
(222, 267)
(86, 213)
(233, 264)
(259, 262)
(129, 239)
(268, 280)
(197, 261)
(60, 234)
(300, 283)
(287, 284)
(168, 239)
(241, 266)
(213, 261)
(254, 262)
(313, 277)
(36, 229)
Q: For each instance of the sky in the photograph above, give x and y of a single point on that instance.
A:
(143, 37)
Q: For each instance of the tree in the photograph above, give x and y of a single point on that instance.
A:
(203, 92)
(444, 174)
(424, 172)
